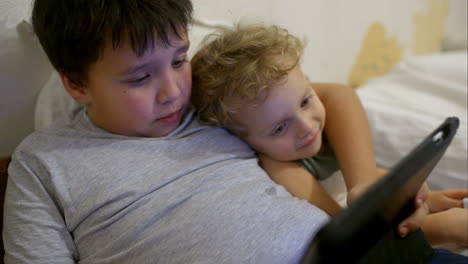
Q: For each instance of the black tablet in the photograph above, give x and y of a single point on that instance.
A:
(371, 220)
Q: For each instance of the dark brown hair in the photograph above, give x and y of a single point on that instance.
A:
(73, 32)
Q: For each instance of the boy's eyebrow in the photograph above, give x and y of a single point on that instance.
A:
(137, 68)
(183, 48)
(271, 125)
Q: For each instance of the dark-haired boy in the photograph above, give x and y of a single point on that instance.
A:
(133, 177)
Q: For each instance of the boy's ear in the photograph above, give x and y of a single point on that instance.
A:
(78, 92)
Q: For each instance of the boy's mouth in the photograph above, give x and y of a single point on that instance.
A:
(171, 118)
(311, 141)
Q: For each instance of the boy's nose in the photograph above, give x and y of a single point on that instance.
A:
(168, 90)
(305, 127)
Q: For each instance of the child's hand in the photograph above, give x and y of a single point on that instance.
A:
(357, 190)
(415, 220)
(442, 200)
(456, 222)
(449, 226)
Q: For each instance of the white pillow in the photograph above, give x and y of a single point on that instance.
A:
(24, 68)
(53, 103)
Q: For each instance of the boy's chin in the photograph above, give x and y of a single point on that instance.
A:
(165, 131)
(314, 150)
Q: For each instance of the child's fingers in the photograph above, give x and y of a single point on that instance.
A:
(456, 193)
(414, 221)
(443, 200)
(448, 203)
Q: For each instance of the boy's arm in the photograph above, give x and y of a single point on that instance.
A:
(300, 183)
(34, 230)
(348, 132)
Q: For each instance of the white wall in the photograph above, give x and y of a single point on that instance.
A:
(335, 29)
(24, 68)
(456, 30)
(300, 17)
(347, 23)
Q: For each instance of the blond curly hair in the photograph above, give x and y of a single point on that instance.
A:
(238, 66)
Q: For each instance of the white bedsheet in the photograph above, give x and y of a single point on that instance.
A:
(405, 105)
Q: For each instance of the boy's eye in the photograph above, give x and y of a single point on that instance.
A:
(139, 80)
(178, 63)
(305, 102)
(280, 129)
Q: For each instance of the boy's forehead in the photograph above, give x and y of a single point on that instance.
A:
(255, 116)
(279, 103)
(152, 42)
(122, 60)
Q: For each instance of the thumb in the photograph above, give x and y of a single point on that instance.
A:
(413, 222)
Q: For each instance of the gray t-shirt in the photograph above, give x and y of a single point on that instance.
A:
(76, 192)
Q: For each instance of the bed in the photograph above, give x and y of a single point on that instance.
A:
(403, 105)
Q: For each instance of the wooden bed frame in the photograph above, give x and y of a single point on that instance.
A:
(3, 180)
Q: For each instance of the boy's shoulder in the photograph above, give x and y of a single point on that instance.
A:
(42, 139)
(51, 136)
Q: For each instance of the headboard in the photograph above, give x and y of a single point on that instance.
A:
(3, 181)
